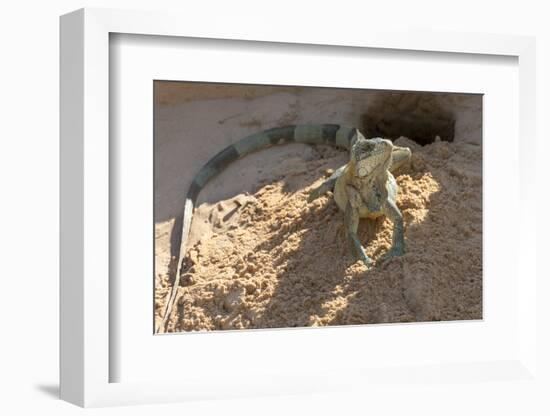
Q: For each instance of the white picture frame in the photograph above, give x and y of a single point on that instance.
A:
(85, 220)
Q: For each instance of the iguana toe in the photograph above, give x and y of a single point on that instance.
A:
(362, 256)
(393, 252)
(367, 261)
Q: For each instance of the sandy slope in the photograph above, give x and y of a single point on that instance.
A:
(269, 259)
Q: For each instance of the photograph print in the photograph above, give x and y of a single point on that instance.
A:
(289, 206)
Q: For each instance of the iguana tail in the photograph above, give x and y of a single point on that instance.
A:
(330, 134)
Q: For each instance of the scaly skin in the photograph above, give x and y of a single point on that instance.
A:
(362, 188)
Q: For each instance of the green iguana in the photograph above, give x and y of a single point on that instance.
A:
(363, 188)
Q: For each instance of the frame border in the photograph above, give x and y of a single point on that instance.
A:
(84, 178)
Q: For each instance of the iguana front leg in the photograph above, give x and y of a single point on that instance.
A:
(398, 238)
(326, 186)
(351, 222)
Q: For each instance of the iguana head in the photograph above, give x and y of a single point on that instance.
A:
(367, 155)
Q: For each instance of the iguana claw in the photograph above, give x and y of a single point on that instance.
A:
(393, 252)
(367, 261)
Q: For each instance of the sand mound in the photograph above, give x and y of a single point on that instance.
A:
(270, 259)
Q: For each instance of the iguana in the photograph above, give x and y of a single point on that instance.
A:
(363, 188)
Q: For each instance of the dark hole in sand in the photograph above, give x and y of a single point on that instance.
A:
(418, 116)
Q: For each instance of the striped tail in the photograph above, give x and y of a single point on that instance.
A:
(330, 134)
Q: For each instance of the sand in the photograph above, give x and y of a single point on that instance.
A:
(265, 258)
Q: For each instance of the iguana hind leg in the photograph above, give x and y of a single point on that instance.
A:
(351, 222)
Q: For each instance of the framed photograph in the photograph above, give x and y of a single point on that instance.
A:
(264, 244)
(282, 213)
